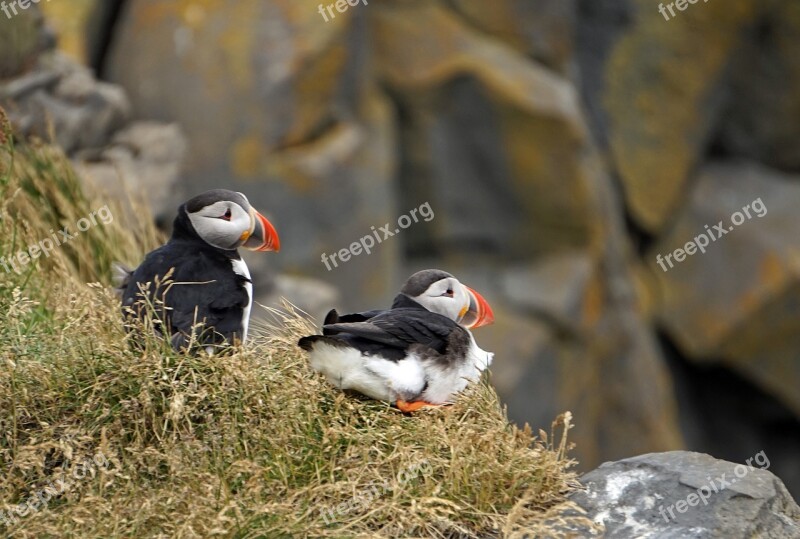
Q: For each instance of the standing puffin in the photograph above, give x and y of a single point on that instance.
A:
(418, 353)
(208, 283)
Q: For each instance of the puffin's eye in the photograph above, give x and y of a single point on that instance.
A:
(227, 216)
(449, 293)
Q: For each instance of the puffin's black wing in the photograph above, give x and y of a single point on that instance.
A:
(218, 300)
(399, 328)
(400, 302)
(333, 317)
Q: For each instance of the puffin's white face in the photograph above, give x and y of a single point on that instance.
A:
(224, 224)
(225, 219)
(458, 302)
(446, 297)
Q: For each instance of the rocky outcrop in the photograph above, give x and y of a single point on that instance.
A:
(52, 96)
(143, 158)
(687, 495)
(759, 119)
(543, 29)
(740, 318)
(59, 94)
(655, 156)
(22, 38)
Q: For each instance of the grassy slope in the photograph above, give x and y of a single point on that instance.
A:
(252, 445)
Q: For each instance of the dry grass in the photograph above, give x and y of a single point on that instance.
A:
(250, 445)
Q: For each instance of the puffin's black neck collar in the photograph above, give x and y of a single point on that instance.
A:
(182, 228)
(402, 301)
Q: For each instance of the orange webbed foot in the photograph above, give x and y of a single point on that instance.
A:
(409, 407)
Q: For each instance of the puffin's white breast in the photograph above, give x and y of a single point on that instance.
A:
(240, 268)
(445, 382)
(373, 376)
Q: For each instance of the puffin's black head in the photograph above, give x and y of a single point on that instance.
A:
(225, 219)
(441, 293)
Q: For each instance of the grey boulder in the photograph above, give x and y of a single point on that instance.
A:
(680, 494)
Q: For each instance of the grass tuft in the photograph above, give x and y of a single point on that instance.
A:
(252, 444)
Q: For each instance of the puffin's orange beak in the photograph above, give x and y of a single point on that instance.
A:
(479, 313)
(263, 236)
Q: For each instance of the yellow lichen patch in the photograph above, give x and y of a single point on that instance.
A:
(772, 270)
(498, 18)
(315, 90)
(246, 156)
(187, 12)
(660, 121)
(239, 46)
(537, 111)
(70, 19)
(300, 167)
(549, 185)
(594, 302)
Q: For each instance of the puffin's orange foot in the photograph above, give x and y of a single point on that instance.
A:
(409, 407)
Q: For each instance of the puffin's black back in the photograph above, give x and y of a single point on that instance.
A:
(401, 301)
(203, 287)
(392, 333)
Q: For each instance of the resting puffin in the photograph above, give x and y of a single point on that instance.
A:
(210, 283)
(418, 353)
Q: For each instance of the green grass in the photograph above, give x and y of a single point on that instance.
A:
(253, 444)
